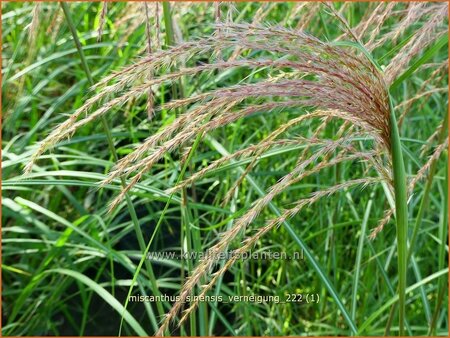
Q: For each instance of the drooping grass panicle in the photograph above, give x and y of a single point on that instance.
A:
(424, 36)
(331, 73)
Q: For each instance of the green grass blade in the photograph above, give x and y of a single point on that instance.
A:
(401, 215)
(442, 287)
(362, 239)
(107, 297)
(395, 299)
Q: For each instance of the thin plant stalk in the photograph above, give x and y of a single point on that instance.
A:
(193, 235)
(442, 287)
(112, 148)
(168, 23)
(424, 202)
(158, 225)
(177, 93)
(401, 214)
(359, 253)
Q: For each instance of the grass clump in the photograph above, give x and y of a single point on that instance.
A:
(334, 108)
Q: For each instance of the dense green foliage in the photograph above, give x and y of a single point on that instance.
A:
(68, 263)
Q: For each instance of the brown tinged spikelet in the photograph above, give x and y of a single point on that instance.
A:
(55, 23)
(130, 19)
(102, 21)
(150, 110)
(308, 11)
(33, 27)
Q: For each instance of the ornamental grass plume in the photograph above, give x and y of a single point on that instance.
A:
(333, 82)
(325, 81)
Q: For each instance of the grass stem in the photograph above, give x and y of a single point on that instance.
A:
(401, 214)
(442, 287)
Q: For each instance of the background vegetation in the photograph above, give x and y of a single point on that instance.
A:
(68, 263)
